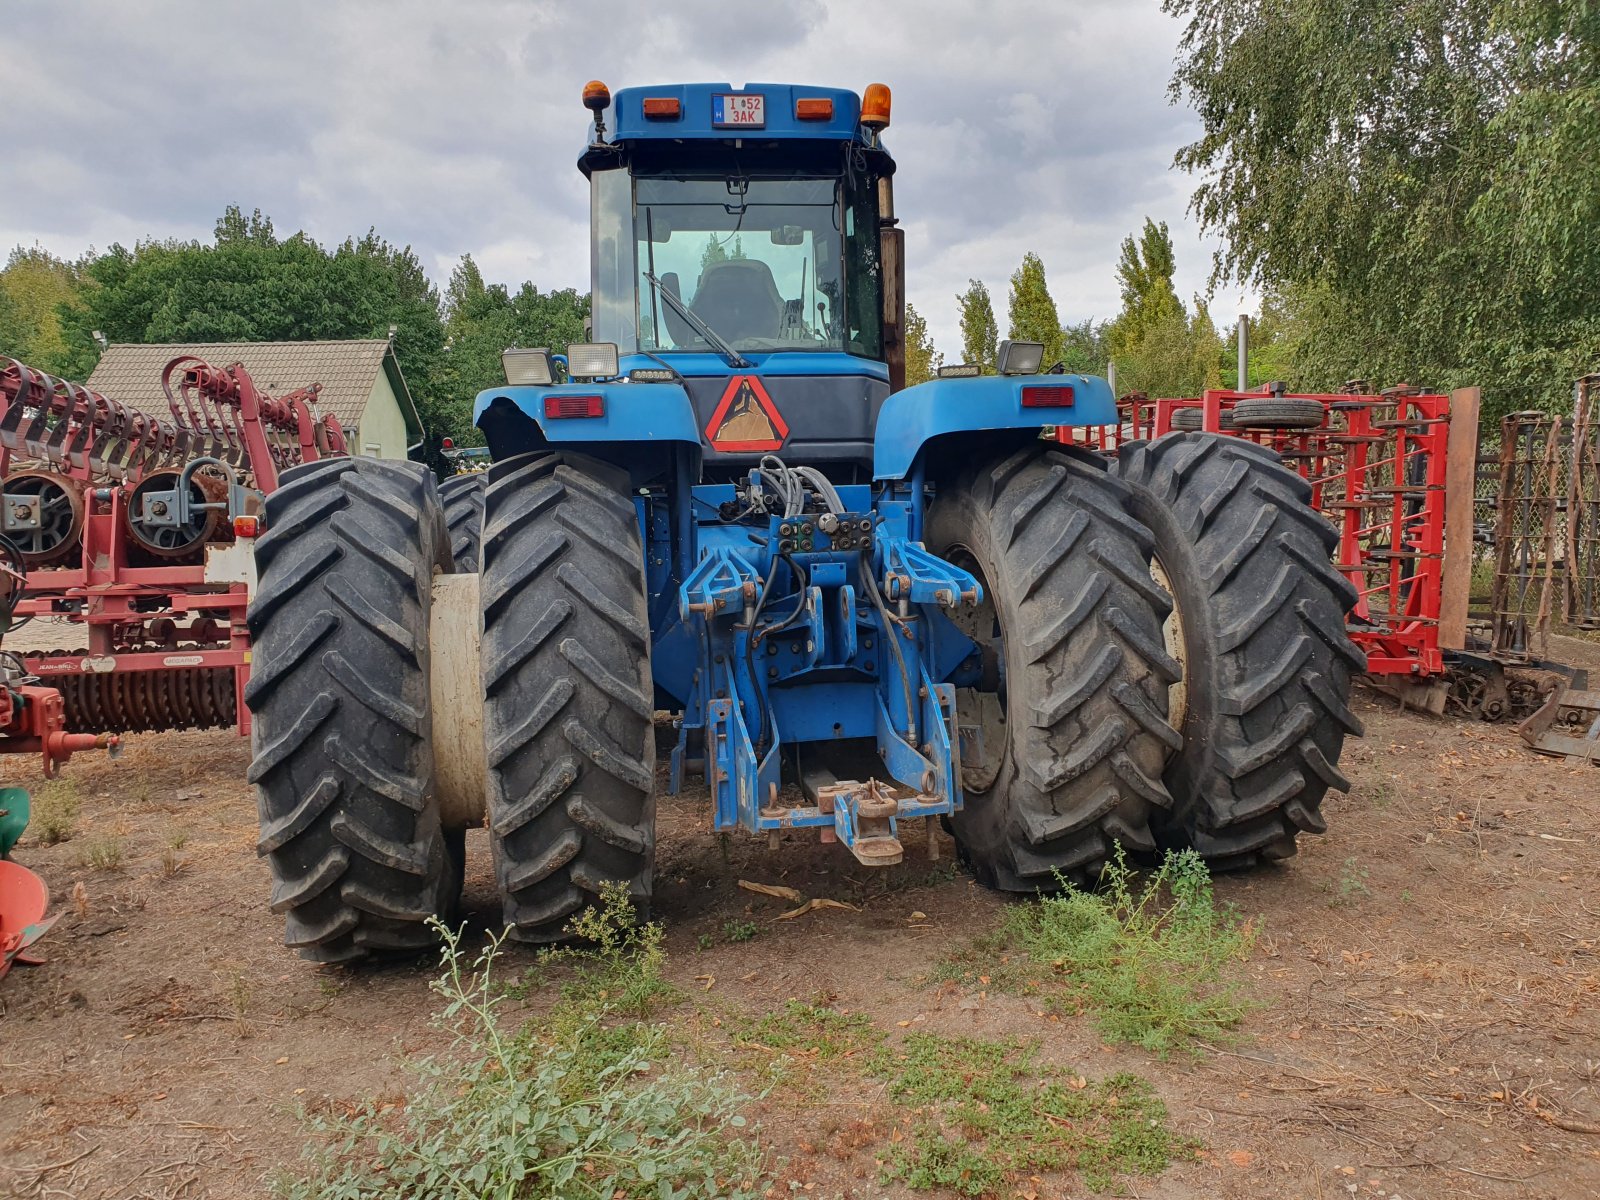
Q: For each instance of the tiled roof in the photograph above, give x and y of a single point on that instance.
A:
(347, 370)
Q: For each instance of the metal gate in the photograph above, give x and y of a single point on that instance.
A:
(1547, 525)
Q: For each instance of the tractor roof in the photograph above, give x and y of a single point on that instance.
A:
(721, 113)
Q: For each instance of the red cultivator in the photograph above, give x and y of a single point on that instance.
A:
(129, 530)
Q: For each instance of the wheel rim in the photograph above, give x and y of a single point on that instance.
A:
(59, 517)
(1172, 634)
(983, 706)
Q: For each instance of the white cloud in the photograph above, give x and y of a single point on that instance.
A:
(1023, 124)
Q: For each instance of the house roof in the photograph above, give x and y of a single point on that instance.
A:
(131, 373)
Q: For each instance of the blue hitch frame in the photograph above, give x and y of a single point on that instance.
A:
(796, 639)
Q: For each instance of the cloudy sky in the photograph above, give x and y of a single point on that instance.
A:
(1018, 124)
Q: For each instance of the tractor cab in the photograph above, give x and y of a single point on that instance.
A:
(744, 248)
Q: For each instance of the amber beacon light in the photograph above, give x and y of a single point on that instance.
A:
(875, 106)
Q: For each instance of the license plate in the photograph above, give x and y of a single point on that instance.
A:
(739, 112)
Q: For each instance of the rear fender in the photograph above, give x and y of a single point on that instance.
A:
(966, 414)
(640, 424)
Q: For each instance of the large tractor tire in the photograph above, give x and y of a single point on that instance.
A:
(1070, 710)
(338, 695)
(568, 701)
(462, 498)
(1259, 623)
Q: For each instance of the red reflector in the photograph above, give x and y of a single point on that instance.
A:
(813, 110)
(660, 108)
(556, 407)
(1047, 397)
(246, 527)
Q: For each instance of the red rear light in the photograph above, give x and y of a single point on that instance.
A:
(1047, 397)
(813, 110)
(557, 407)
(662, 108)
(246, 527)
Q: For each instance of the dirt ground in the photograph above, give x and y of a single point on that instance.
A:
(1427, 983)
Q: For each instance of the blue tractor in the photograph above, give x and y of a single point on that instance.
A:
(861, 609)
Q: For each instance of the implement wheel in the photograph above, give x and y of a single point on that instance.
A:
(338, 694)
(1259, 621)
(462, 497)
(568, 701)
(1071, 701)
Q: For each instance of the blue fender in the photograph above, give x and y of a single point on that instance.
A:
(913, 417)
(631, 412)
(646, 428)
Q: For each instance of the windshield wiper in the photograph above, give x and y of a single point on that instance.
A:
(735, 359)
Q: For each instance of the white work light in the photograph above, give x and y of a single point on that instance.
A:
(1019, 358)
(527, 367)
(960, 371)
(592, 360)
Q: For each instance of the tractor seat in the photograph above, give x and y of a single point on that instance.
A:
(740, 300)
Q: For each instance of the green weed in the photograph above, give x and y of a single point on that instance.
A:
(1155, 964)
(582, 1103)
(739, 931)
(55, 811)
(102, 854)
(822, 1034)
(1352, 881)
(988, 1112)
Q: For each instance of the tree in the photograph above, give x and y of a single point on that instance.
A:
(1144, 273)
(1415, 179)
(922, 360)
(480, 321)
(718, 251)
(34, 286)
(1085, 348)
(250, 285)
(1033, 314)
(980, 334)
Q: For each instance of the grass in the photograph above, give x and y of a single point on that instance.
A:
(587, 1102)
(981, 1113)
(1154, 961)
(985, 1113)
(102, 854)
(55, 811)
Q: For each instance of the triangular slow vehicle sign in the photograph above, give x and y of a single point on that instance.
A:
(746, 420)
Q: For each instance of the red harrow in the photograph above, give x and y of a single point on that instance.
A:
(130, 531)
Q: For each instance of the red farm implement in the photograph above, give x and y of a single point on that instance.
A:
(1393, 474)
(130, 532)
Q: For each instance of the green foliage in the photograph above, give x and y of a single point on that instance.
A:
(250, 284)
(34, 286)
(102, 854)
(980, 334)
(823, 1034)
(1086, 346)
(55, 811)
(988, 1112)
(618, 965)
(1144, 273)
(922, 360)
(575, 1106)
(1156, 964)
(740, 931)
(721, 250)
(1414, 180)
(1033, 313)
(1160, 349)
(481, 320)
